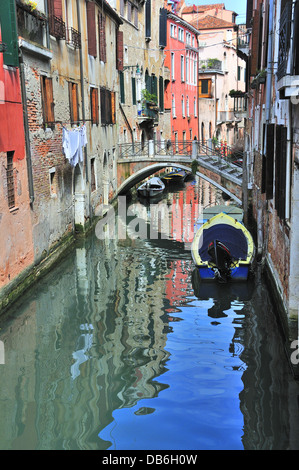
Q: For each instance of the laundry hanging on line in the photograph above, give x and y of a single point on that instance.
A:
(73, 142)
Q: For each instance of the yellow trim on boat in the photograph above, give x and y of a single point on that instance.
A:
(222, 218)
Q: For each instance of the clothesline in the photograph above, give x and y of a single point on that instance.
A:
(69, 122)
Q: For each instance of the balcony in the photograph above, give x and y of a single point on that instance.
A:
(225, 117)
(288, 53)
(243, 46)
(149, 113)
(31, 24)
(210, 66)
(284, 40)
(240, 106)
(73, 38)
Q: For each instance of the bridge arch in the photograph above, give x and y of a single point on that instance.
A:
(149, 170)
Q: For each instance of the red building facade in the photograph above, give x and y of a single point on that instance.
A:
(181, 91)
(16, 247)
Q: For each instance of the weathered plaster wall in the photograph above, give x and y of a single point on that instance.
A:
(53, 211)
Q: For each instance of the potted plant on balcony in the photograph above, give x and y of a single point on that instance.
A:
(261, 76)
(31, 7)
(234, 93)
(149, 99)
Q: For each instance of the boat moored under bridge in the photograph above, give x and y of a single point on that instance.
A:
(220, 166)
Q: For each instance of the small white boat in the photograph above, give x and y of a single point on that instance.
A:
(151, 188)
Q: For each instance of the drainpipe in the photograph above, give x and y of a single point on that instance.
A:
(261, 245)
(82, 84)
(269, 68)
(47, 27)
(26, 129)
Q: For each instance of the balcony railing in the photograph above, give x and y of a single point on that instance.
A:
(225, 116)
(210, 65)
(187, 148)
(57, 27)
(74, 38)
(149, 111)
(240, 104)
(284, 40)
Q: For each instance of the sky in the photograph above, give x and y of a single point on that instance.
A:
(239, 6)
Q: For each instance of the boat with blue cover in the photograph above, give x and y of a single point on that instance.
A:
(223, 248)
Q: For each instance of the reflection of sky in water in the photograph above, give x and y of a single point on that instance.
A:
(200, 409)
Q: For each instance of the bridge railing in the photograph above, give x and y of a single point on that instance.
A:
(186, 148)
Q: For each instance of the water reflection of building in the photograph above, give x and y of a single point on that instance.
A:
(116, 293)
(92, 341)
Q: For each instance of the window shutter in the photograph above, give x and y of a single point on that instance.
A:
(57, 8)
(120, 50)
(280, 170)
(108, 107)
(47, 100)
(154, 85)
(73, 99)
(163, 28)
(91, 29)
(133, 90)
(113, 108)
(200, 87)
(277, 165)
(264, 162)
(255, 42)
(148, 19)
(161, 94)
(269, 161)
(102, 37)
(94, 105)
(9, 33)
(122, 87)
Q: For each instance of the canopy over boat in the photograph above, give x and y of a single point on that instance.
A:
(223, 248)
(151, 188)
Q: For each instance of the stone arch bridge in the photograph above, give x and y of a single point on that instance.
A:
(137, 161)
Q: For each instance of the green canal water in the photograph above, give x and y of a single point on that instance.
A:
(120, 348)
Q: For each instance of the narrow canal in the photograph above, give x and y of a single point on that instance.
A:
(120, 348)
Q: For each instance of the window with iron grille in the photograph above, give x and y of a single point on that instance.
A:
(10, 180)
